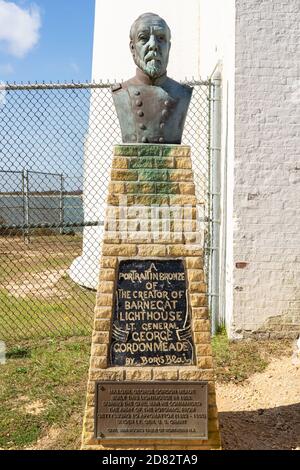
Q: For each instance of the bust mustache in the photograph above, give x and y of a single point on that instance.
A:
(151, 64)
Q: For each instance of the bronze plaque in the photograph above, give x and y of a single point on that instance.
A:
(151, 323)
(151, 410)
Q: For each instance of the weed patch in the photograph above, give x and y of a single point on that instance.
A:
(235, 361)
(42, 389)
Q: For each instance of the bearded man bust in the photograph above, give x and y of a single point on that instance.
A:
(151, 107)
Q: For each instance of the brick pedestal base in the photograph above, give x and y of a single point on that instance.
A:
(151, 214)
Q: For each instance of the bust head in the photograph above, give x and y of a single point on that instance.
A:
(150, 44)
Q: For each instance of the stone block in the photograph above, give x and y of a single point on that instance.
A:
(194, 263)
(99, 362)
(198, 300)
(102, 325)
(100, 337)
(124, 175)
(183, 200)
(205, 362)
(138, 374)
(106, 287)
(154, 250)
(186, 374)
(112, 375)
(140, 188)
(103, 313)
(126, 150)
(187, 188)
(183, 163)
(202, 338)
(195, 275)
(184, 250)
(201, 325)
(120, 163)
(108, 262)
(200, 312)
(149, 200)
(116, 188)
(99, 350)
(151, 163)
(119, 250)
(149, 150)
(180, 175)
(107, 275)
(203, 350)
(154, 175)
(159, 374)
(167, 188)
(104, 300)
(176, 151)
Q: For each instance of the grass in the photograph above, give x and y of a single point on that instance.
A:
(235, 361)
(42, 388)
(30, 307)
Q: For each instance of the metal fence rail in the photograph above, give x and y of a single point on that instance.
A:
(55, 157)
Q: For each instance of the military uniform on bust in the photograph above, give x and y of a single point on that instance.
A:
(151, 111)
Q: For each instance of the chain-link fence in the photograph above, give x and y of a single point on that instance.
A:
(55, 153)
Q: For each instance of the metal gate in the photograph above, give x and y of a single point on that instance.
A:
(50, 138)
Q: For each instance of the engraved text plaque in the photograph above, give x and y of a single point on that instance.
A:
(151, 318)
(150, 410)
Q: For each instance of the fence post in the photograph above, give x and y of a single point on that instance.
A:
(215, 198)
(25, 193)
(61, 204)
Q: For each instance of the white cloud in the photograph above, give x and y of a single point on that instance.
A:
(19, 28)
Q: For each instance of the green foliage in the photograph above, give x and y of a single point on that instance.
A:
(53, 375)
(235, 361)
(17, 352)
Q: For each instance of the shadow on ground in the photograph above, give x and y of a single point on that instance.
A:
(272, 428)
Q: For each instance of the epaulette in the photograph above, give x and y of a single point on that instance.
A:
(116, 87)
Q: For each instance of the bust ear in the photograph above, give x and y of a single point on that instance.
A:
(131, 47)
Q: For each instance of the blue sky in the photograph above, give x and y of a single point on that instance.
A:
(46, 40)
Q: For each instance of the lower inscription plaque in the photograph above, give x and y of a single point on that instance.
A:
(151, 410)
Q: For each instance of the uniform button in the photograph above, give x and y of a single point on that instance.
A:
(164, 113)
(167, 103)
(144, 140)
(162, 125)
(161, 140)
(139, 103)
(137, 93)
(140, 113)
(143, 127)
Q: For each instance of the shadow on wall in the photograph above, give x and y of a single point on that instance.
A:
(272, 428)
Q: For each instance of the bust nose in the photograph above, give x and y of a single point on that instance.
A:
(152, 44)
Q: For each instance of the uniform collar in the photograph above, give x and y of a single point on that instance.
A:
(146, 80)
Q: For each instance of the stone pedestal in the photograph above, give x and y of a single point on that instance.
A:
(152, 216)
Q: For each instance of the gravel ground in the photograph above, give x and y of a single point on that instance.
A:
(264, 411)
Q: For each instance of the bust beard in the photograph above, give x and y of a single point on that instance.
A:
(152, 68)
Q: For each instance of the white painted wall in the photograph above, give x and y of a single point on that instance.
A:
(112, 57)
(267, 170)
(217, 46)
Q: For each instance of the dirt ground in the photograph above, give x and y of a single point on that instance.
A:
(264, 411)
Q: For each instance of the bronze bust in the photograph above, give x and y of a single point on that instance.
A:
(151, 107)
